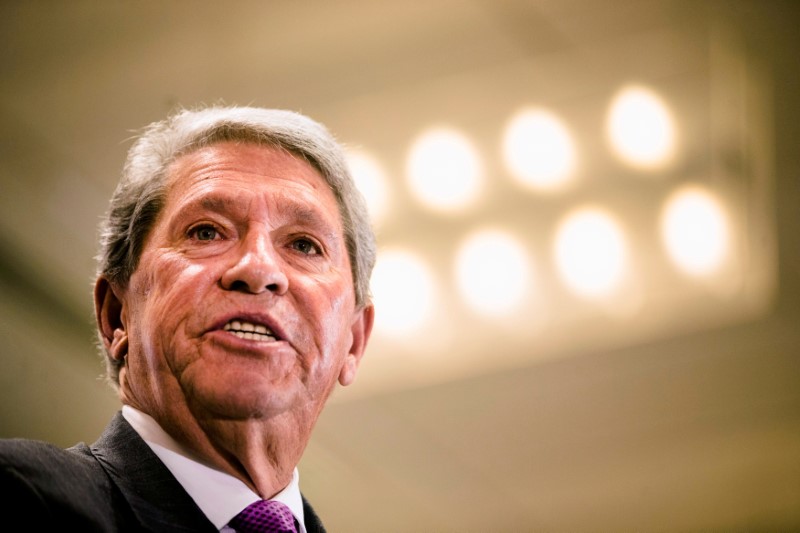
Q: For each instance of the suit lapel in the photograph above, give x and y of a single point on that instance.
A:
(159, 502)
(157, 499)
(312, 522)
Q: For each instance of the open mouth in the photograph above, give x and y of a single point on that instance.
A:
(250, 331)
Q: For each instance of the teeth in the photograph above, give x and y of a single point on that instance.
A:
(249, 331)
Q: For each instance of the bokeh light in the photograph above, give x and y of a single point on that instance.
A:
(695, 230)
(403, 291)
(371, 180)
(492, 272)
(538, 150)
(444, 170)
(590, 252)
(641, 128)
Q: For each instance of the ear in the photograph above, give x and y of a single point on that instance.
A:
(360, 330)
(109, 310)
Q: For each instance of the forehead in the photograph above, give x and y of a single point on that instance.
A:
(245, 169)
(263, 161)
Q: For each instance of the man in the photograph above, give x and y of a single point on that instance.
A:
(232, 294)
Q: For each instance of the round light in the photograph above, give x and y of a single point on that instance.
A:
(371, 181)
(492, 272)
(590, 252)
(694, 229)
(538, 150)
(640, 128)
(444, 172)
(402, 289)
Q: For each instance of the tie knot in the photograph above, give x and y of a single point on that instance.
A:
(264, 516)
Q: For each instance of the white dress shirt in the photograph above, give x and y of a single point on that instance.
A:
(219, 495)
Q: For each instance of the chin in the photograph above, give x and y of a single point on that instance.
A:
(244, 401)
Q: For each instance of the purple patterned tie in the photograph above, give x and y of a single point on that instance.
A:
(264, 516)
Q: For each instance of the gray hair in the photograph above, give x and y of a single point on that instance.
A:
(141, 192)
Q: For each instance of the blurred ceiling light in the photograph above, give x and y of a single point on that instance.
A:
(371, 180)
(695, 230)
(403, 291)
(640, 128)
(538, 150)
(444, 170)
(492, 272)
(590, 252)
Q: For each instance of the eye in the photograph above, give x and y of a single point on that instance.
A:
(306, 246)
(204, 233)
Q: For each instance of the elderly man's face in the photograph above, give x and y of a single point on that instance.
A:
(242, 305)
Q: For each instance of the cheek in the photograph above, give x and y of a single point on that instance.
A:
(332, 306)
(168, 296)
(171, 270)
(173, 277)
(340, 308)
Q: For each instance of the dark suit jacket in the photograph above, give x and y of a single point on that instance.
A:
(115, 485)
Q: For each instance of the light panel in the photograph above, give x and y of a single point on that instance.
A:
(695, 230)
(444, 170)
(492, 272)
(641, 128)
(371, 181)
(590, 252)
(403, 291)
(543, 217)
(538, 150)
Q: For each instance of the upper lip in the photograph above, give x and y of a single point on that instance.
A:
(255, 318)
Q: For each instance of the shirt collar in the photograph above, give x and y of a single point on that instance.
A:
(219, 495)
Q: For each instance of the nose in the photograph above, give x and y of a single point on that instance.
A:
(256, 267)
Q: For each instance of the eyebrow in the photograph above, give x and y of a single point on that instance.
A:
(219, 203)
(310, 217)
(303, 214)
(295, 211)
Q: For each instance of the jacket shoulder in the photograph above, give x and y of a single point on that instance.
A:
(60, 487)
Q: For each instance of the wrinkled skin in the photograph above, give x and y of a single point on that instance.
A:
(253, 234)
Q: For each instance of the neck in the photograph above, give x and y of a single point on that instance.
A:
(262, 453)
